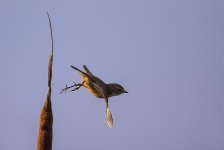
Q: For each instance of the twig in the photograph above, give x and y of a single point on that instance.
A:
(77, 86)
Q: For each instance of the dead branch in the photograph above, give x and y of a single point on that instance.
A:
(77, 86)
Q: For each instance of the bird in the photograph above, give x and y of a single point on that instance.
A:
(99, 89)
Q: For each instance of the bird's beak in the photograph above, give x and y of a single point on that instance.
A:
(125, 91)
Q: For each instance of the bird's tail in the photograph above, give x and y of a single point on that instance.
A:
(108, 116)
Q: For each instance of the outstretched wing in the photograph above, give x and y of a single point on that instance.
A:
(86, 69)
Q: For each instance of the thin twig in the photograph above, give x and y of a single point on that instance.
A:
(77, 86)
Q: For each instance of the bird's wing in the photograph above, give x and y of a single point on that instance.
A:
(75, 68)
(102, 90)
(86, 69)
(91, 76)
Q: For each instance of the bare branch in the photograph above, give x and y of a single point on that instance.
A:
(77, 86)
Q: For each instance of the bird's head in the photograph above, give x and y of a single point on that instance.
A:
(115, 89)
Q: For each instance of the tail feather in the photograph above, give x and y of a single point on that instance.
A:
(109, 117)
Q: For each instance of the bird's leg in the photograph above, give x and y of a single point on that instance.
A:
(77, 86)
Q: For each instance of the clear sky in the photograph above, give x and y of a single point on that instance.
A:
(168, 54)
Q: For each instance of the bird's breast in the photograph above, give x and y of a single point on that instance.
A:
(92, 87)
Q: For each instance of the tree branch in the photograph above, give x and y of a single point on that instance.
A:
(77, 86)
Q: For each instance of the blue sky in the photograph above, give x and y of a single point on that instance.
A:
(169, 56)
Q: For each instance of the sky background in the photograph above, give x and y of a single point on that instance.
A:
(169, 56)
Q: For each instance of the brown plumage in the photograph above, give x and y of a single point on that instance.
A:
(100, 89)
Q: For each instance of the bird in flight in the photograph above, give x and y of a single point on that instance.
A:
(98, 88)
